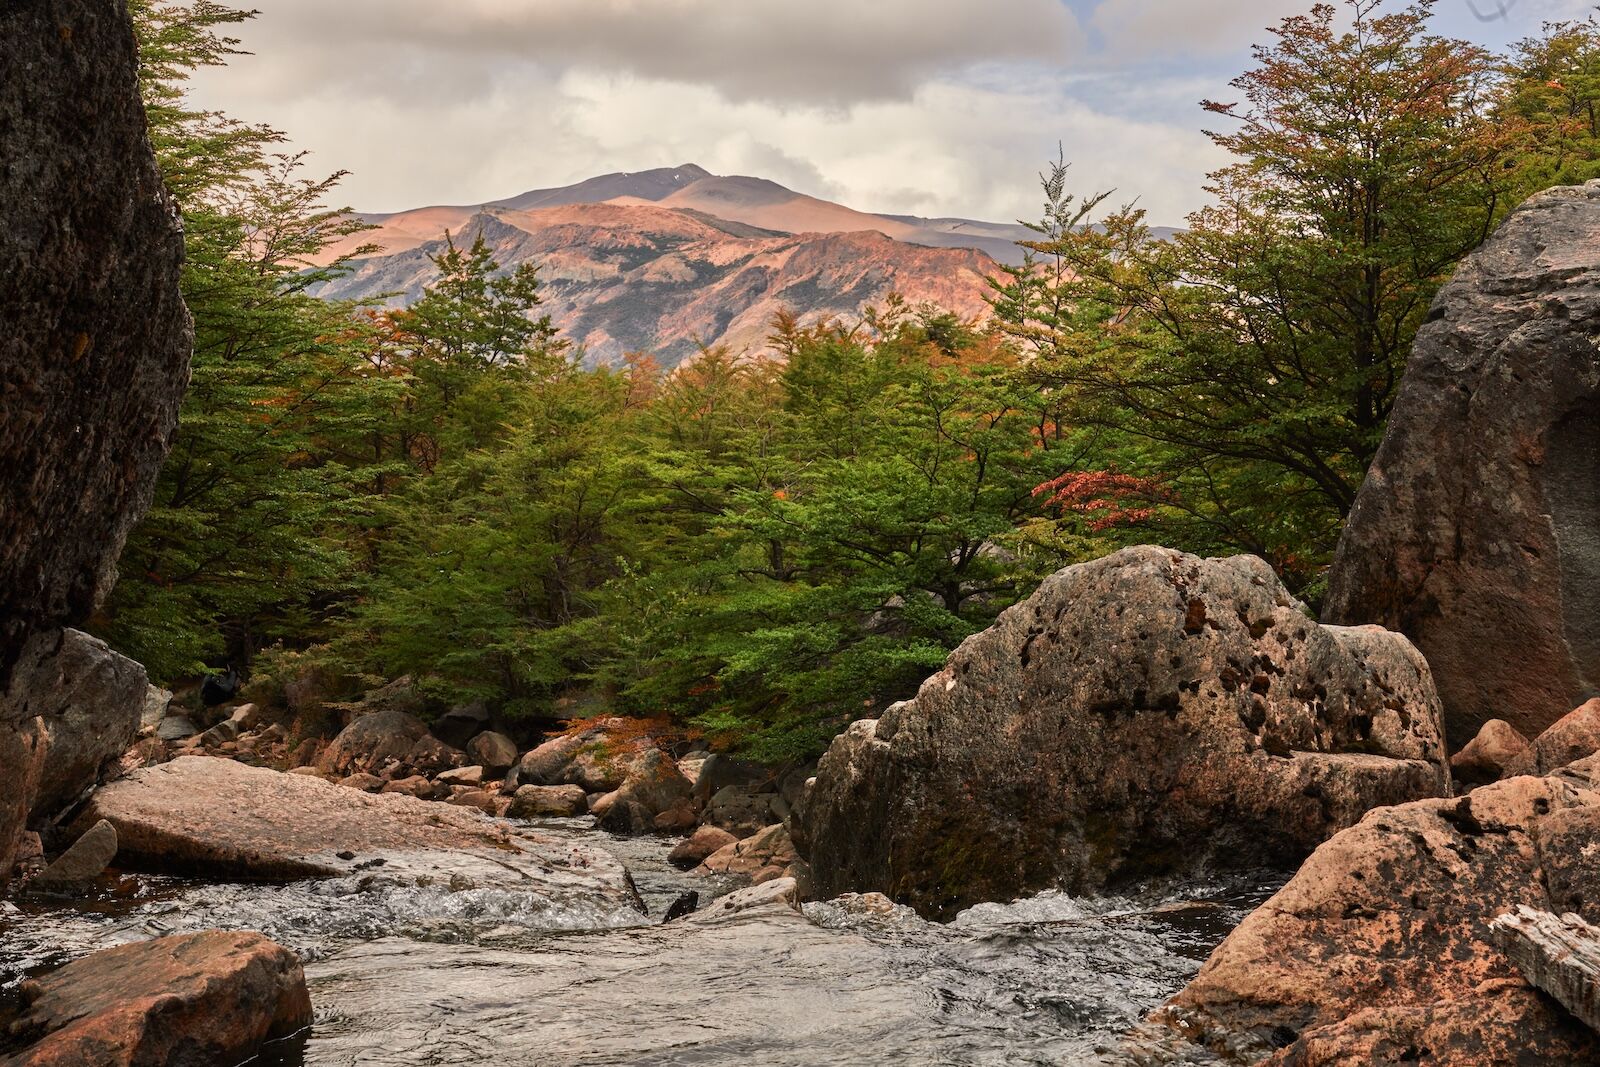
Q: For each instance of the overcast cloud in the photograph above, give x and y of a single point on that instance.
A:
(932, 107)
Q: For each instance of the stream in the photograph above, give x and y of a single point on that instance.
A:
(425, 976)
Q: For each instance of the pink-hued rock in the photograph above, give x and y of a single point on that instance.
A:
(757, 859)
(1486, 757)
(1382, 942)
(700, 845)
(212, 997)
(1574, 737)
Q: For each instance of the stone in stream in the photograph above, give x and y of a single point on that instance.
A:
(653, 785)
(548, 801)
(223, 819)
(1477, 531)
(1559, 954)
(757, 859)
(213, 997)
(1146, 714)
(694, 849)
(1380, 949)
(82, 863)
(739, 810)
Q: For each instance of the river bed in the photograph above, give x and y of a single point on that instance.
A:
(410, 977)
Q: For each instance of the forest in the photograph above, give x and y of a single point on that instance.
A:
(761, 550)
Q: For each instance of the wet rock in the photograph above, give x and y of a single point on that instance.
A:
(757, 859)
(224, 819)
(461, 776)
(371, 742)
(461, 724)
(82, 863)
(776, 892)
(495, 753)
(1382, 942)
(694, 849)
(1487, 756)
(548, 801)
(1574, 737)
(1474, 532)
(213, 997)
(738, 810)
(1141, 715)
(686, 904)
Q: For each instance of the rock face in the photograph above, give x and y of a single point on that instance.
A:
(1380, 949)
(221, 818)
(1138, 715)
(207, 998)
(1477, 532)
(95, 354)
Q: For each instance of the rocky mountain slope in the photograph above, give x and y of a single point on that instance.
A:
(665, 260)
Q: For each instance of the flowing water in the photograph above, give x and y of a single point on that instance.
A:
(409, 976)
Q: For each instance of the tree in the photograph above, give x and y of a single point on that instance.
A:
(1246, 367)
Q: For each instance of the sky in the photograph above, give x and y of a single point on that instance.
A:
(927, 107)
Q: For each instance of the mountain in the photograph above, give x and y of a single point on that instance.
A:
(664, 260)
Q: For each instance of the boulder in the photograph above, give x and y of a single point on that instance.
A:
(719, 771)
(462, 723)
(82, 863)
(1574, 737)
(757, 859)
(432, 756)
(694, 849)
(176, 728)
(654, 784)
(156, 703)
(1145, 714)
(213, 997)
(1476, 530)
(495, 753)
(367, 783)
(415, 785)
(472, 776)
(94, 356)
(1487, 756)
(597, 757)
(91, 700)
(548, 801)
(1380, 949)
(774, 892)
(224, 819)
(482, 799)
(678, 819)
(370, 742)
(738, 810)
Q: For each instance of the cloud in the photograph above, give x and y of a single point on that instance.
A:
(832, 52)
(1150, 28)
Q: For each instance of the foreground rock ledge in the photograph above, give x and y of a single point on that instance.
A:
(220, 818)
(1139, 715)
(192, 1000)
(1380, 950)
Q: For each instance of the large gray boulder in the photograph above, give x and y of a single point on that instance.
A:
(371, 743)
(1477, 532)
(89, 699)
(1143, 714)
(94, 354)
